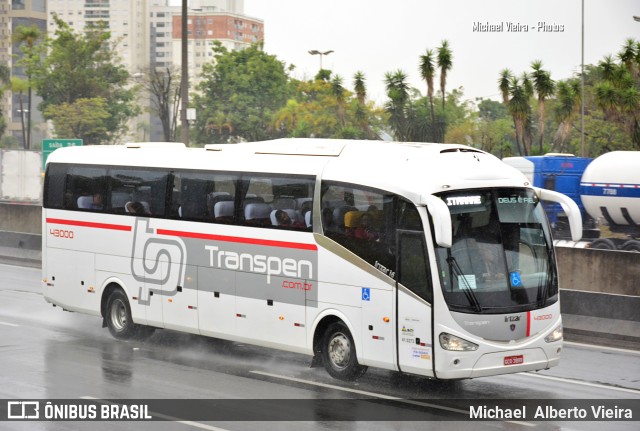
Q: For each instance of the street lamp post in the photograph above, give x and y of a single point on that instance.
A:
(320, 53)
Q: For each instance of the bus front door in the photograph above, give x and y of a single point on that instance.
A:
(414, 293)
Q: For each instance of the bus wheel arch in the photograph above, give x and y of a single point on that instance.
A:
(334, 344)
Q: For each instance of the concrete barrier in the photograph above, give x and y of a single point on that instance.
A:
(19, 248)
(20, 217)
(603, 271)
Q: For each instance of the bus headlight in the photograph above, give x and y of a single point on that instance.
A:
(451, 342)
(556, 335)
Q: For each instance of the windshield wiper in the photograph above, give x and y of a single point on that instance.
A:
(468, 291)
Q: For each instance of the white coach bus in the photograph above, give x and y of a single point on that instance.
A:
(431, 259)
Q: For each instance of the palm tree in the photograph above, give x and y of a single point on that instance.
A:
(519, 109)
(339, 92)
(503, 84)
(398, 93)
(629, 55)
(544, 87)
(565, 110)
(445, 62)
(427, 72)
(360, 86)
(28, 36)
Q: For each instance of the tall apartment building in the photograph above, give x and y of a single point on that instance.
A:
(204, 25)
(14, 13)
(148, 33)
(127, 21)
(208, 20)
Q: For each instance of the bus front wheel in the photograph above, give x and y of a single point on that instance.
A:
(339, 353)
(118, 316)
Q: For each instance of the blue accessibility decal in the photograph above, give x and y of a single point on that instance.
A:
(366, 294)
(515, 279)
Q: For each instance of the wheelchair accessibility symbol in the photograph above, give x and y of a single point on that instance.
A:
(366, 294)
(515, 279)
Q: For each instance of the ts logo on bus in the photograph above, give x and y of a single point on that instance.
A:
(157, 261)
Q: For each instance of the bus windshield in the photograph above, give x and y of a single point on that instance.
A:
(501, 259)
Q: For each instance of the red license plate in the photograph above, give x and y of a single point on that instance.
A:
(513, 360)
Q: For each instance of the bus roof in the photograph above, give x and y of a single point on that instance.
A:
(410, 169)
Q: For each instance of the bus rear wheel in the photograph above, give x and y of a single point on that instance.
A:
(339, 353)
(118, 316)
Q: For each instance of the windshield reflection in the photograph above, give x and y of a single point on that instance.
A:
(501, 259)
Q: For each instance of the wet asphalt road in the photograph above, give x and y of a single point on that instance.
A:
(47, 353)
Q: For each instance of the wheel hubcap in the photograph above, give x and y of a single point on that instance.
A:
(118, 315)
(339, 351)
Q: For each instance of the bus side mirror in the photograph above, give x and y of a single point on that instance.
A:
(569, 207)
(441, 220)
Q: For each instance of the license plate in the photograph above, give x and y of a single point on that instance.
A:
(513, 360)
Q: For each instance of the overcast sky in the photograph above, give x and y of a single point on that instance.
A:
(378, 36)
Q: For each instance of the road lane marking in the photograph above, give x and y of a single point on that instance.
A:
(376, 395)
(9, 324)
(170, 418)
(578, 382)
(596, 347)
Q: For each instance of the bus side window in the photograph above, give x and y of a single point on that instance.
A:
(363, 221)
(86, 187)
(146, 189)
(54, 195)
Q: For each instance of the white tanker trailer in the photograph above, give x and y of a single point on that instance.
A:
(610, 191)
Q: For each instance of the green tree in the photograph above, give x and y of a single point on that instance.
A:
(544, 87)
(339, 92)
(82, 117)
(565, 111)
(504, 83)
(427, 72)
(323, 109)
(239, 95)
(19, 86)
(85, 66)
(618, 93)
(396, 108)
(5, 79)
(519, 109)
(27, 38)
(445, 63)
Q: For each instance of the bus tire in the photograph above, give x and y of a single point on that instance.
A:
(339, 353)
(118, 316)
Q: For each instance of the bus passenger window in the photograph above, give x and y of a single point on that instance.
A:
(361, 220)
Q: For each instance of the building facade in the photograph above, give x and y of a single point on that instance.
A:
(15, 104)
(147, 34)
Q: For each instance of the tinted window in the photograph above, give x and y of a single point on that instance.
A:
(283, 202)
(413, 271)
(138, 191)
(204, 196)
(86, 188)
(54, 186)
(362, 220)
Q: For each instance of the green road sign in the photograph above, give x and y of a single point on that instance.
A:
(50, 145)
